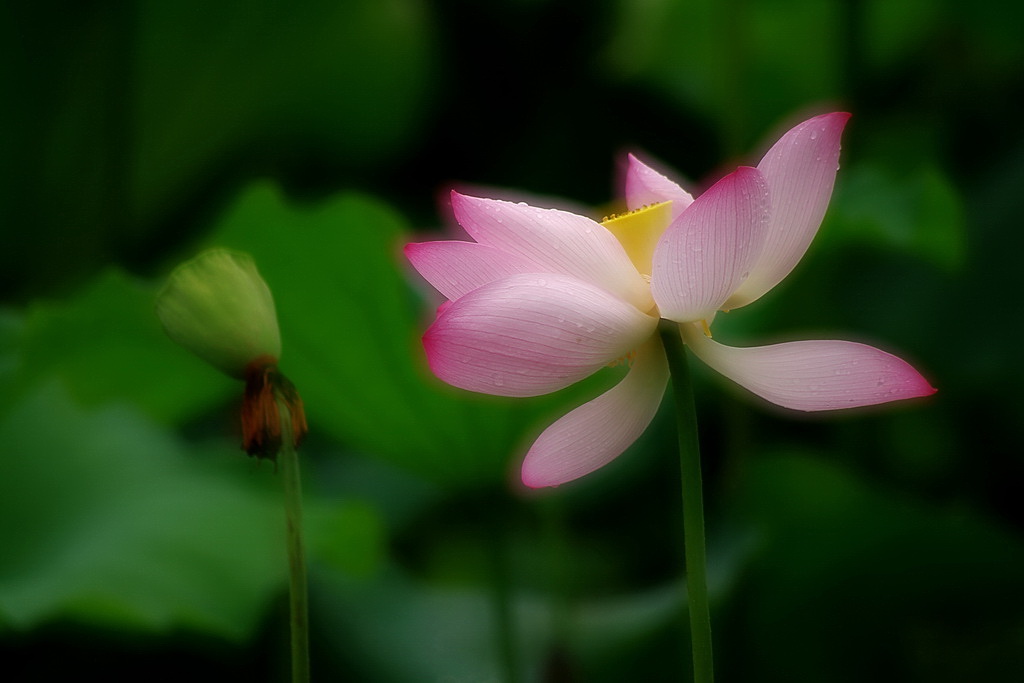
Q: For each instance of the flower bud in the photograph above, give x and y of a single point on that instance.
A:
(218, 307)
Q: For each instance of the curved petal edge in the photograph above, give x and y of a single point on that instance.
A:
(455, 268)
(597, 432)
(800, 170)
(558, 241)
(708, 251)
(813, 375)
(645, 186)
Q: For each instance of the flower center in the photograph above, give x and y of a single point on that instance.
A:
(638, 231)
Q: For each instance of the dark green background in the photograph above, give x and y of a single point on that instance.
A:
(136, 540)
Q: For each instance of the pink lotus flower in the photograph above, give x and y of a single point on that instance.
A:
(544, 298)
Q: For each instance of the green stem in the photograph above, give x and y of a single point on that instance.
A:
(501, 587)
(693, 505)
(553, 521)
(288, 460)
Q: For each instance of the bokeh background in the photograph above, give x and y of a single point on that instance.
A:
(137, 540)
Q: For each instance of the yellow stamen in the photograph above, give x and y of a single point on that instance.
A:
(628, 359)
(638, 231)
(707, 328)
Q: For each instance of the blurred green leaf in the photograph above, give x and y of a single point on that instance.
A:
(11, 330)
(899, 29)
(450, 633)
(103, 519)
(130, 116)
(919, 213)
(348, 537)
(61, 193)
(105, 344)
(441, 633)
(735, 63)
(346, 81)
(851, 582)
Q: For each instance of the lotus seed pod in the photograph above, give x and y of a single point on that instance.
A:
(218, 307)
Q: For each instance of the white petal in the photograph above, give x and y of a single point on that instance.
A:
(645, 187)
(560, 241)
(708, 251)
(812, 375)
(800, 169)
(597, 432)
(455, 268)
(527, 335)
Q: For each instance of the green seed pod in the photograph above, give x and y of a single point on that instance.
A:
(218, 307)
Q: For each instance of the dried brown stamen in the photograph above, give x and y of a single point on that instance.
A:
(265, 386)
